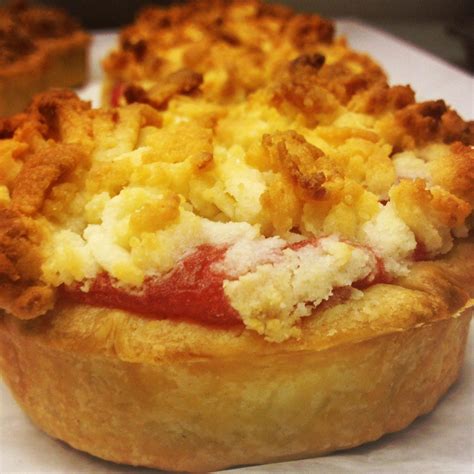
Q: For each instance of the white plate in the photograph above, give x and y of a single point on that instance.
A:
(437, 443)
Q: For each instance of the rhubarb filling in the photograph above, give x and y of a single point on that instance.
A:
(267, 284)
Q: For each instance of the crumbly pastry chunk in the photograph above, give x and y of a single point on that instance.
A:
(265, 220)
(40, 47)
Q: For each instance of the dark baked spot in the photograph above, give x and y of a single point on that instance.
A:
(314, 61)
(137, 48)
(182, 82)
(9, 125)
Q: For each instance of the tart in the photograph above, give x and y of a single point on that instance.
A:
(201, 283)
(40, 47)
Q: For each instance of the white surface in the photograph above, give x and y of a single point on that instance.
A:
(441, 442)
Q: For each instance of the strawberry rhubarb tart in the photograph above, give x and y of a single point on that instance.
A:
(211, 273)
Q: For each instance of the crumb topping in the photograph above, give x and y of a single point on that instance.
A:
(323, 152)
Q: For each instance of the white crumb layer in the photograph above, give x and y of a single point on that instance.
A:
(245, 255)
(109, 246)
(73, 259)
(409, 166)
(273, 297)
(388, 235)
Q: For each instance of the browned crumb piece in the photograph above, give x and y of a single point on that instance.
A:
(21, 294)
(298, 159)
(182, 82)
(454, 171)
(40, 172)
(315, 88)
(300, 88)
(433, 120)
(382, 98)
(47, 109)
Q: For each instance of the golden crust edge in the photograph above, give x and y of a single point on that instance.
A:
(85, 400)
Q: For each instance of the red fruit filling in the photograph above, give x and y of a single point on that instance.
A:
(116, 94)
(193, 290)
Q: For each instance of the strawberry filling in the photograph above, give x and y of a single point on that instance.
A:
(193, 290)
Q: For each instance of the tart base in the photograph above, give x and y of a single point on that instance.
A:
(195, 413)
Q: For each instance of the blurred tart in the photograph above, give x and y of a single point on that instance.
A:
(40, 47)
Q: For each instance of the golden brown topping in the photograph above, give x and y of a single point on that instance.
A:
(301, 90)
(236, 45)
(430, 213)
(308, 30)
(18, 238)
(40, 172)
(298, 159)
(51, 111)
(183, 82)
(282, 205)
(454, 171)
(317, 89)
(382, 98)
(433, 120)
(305, 146)
(341, 80)
(20, 292)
